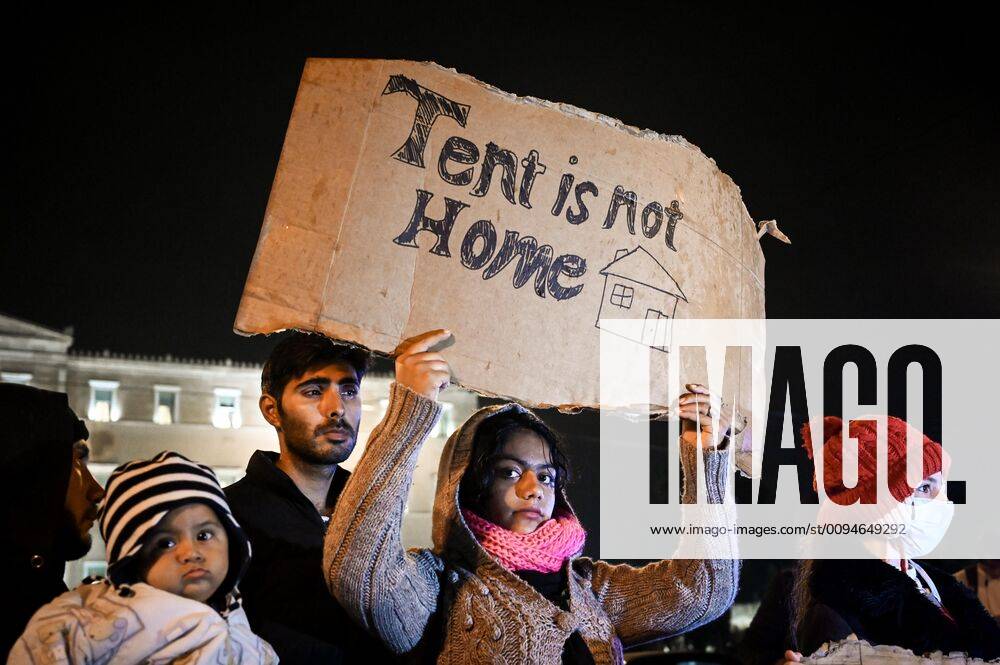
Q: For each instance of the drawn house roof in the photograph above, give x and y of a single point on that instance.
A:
(640, 266)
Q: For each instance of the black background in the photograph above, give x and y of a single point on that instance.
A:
(144, 146)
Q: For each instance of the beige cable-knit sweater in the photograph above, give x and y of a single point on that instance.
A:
(488, 614)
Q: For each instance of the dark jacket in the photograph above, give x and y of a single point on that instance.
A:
(769, 634)
(284, 592)
(37, 433)
(882, 605)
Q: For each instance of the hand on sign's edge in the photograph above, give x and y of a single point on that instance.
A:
(424, 372)
(789, 658)
(698, 405)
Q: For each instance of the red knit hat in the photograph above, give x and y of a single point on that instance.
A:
(865, 432)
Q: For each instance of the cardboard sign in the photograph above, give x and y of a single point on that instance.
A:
(860, 652)
(409, 197)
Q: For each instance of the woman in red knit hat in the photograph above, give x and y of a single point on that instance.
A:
(888, 598)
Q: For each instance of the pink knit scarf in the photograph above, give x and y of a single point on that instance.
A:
(543, 550)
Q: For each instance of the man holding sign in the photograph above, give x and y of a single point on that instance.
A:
(311, 395)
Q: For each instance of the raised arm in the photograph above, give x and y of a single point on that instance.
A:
(676, 595)
(389, 591)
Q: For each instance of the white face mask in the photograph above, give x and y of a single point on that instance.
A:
(925, 522)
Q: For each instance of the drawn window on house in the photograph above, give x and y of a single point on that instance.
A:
(165, 404)
(104, 406)
(226, 413)
(621, 295)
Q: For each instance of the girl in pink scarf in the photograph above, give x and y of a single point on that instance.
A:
(509, 493)
(504, 577)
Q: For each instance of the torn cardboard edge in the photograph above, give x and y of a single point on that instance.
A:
(652, 410)
(633, 411)
(859, 652)
(770, 226)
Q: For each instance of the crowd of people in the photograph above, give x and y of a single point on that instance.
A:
(301, 561)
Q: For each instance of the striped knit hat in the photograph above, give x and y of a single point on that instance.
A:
(140, 493)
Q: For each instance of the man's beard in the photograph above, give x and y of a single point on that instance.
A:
(303, 442)
(69, 544)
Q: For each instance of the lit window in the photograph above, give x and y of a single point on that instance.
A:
(165, 405)
(227, 408)
(104, 406)
(24, 378)
(621, 295)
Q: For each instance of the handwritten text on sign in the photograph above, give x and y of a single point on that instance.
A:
(479, 245)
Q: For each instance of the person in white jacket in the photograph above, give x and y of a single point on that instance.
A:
(175, 554)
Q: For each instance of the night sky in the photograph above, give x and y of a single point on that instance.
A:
(145, 146)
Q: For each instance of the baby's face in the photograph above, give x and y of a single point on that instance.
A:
(187, 553)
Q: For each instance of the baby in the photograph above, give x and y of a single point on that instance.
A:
(175, 555)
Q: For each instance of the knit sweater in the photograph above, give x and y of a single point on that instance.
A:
(484, 613)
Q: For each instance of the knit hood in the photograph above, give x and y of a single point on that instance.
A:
(453, 539)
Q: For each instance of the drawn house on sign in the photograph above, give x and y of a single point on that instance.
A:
(637, 286)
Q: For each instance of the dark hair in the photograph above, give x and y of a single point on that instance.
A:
(490, 437)
(300, 352)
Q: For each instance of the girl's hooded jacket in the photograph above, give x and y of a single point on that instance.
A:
(457, 602)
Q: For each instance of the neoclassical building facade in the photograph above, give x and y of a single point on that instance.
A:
(136, 406)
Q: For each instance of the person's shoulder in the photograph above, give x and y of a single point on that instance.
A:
(255, 481)
(939, 575)
(243, 486)
(839, 581)
(781, 586)
(65, 602)
(237, 617)
(99, 598)
(64, 615)
(242, 498)
(948, 583)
